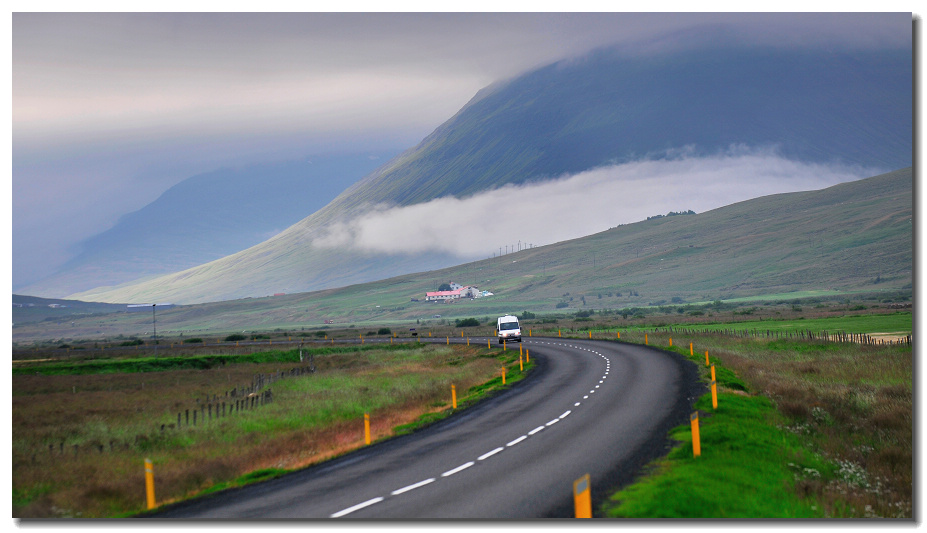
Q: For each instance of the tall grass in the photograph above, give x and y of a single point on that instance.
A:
(311, 418)
(842, 426)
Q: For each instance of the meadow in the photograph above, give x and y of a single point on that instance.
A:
(805, 427)
(80, 438)
(811, 429)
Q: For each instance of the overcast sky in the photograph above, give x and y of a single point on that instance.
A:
(109, 110)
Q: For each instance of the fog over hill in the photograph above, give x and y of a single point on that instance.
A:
(843, 242)
(580, 146)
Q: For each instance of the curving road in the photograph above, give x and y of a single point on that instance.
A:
(595, 407)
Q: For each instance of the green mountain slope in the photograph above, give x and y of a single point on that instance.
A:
(821, 106)
(851, 237)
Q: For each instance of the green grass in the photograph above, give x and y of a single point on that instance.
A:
(198, 362)
(743, 471)
(476, 393)
(746, 468)
(900, 322)
(803, 429)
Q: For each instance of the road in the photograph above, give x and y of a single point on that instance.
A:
(595, 407)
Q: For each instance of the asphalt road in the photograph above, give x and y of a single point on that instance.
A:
(595, 407)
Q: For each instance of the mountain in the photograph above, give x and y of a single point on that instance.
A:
(207, 217)
(824, 106)
(846, 240)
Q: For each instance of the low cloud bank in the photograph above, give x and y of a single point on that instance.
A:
(581, 204)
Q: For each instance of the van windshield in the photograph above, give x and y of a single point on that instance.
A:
(508, 325)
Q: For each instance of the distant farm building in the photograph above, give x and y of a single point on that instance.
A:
(457, 292)
(442, 296)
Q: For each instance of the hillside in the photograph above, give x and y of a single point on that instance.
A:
(853, 237)
(853, 108)
(32, 309)
(207, 217)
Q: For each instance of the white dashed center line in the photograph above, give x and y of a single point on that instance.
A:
(458, 469)
(487, 455)
(413, 486)
(357, 507)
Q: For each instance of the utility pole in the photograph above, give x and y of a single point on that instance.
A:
(154, 323)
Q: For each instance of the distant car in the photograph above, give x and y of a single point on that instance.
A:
(413, 332)
(437, 316)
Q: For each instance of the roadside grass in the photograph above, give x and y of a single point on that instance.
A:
(79, 440)
(802, 429)
(743, 470)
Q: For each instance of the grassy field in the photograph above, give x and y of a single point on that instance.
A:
(79, 438)
(808, 428)
(802, 429)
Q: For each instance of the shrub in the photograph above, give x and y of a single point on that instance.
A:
(467, 322)
(235, 337)
(561, 305)
(134, 342)
(194, 340)
(384, 331)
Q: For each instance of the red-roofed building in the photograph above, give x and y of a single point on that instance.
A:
(442, 296)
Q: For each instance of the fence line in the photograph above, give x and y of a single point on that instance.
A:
(805, 335)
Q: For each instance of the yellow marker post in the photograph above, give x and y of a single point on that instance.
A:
(521, 364)
(590, 334)
(712, 372)
(714, 394)
(149, 483)
(527, 356)
(618, 333)
(504, 346)
(559, 333)
(468, 341)
(645, 339)
(529, 332)
(448, 340)
(454, 396)
(520, 348)
(706, 358)
(582, 497)
(691, 350)
(366, 428)
(503, 375)
(429, 334)
(671, 342)
(487, 344)
(696, 442)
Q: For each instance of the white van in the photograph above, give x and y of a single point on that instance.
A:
(508, 329)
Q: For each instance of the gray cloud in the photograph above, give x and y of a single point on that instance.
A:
(582, 204)
(110, 109)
